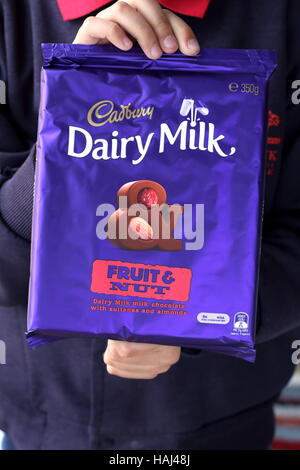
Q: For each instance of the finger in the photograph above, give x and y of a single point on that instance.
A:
(142, 368)
(153, 13)
(133, 22)
(188, 44)
(151, 360)
(129, 375)
(131, 348)
(98, 31)
(159, 358)
(116, 351)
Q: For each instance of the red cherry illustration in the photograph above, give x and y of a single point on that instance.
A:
(148, 197)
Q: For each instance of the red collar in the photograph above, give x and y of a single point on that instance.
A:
(71, 9)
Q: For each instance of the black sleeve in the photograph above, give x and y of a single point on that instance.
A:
(16, 197)
(17, 156)
(279, 292)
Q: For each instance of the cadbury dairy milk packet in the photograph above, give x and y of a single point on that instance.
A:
(148, 197)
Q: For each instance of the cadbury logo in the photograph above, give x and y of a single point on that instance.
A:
(193, 133)
(104, 112)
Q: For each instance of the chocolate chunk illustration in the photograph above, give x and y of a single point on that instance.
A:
(144, 220)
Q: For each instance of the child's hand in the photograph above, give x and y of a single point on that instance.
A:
(157, 30)
(139, 360)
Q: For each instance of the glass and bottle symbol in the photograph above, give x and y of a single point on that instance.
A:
(188, 108)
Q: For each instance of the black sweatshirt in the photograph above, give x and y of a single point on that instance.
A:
(60, 396)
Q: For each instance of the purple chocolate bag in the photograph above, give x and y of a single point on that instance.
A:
(148, 197)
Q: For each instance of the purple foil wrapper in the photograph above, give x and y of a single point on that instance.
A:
(178, 130)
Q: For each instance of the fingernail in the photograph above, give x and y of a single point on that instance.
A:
(127, 43)
(170, 42)
(193, 45)
(155, 51)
